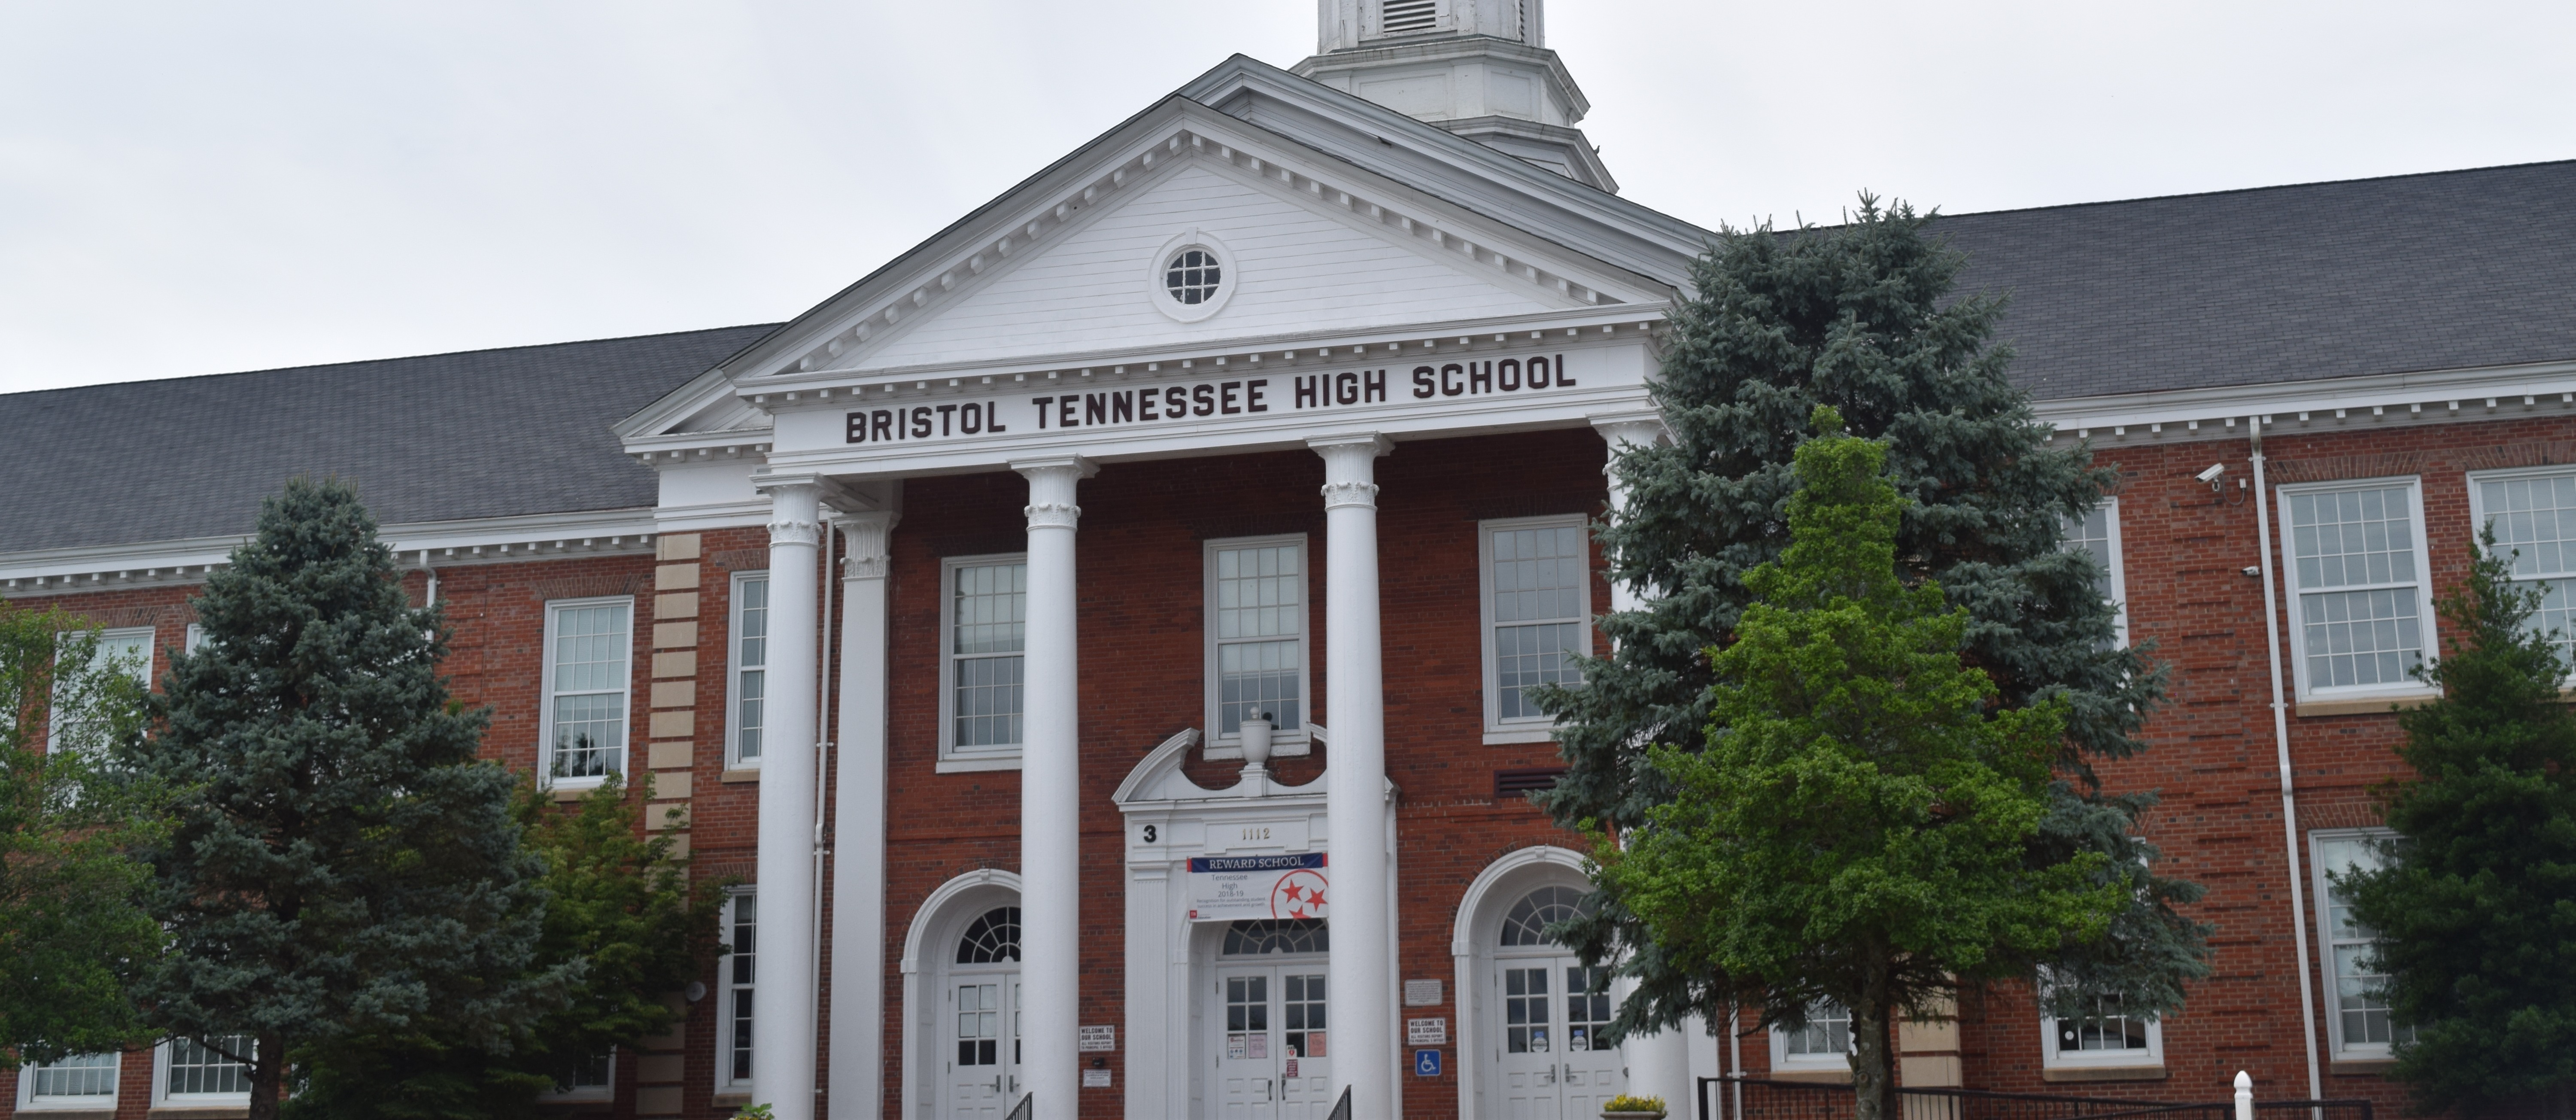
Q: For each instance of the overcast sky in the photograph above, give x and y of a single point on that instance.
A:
(195, 188)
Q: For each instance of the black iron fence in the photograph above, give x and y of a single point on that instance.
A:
(1731, 1098)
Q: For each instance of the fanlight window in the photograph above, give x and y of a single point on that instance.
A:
(1193, 276)
(992, 939)
(1527, 924)
(1285, 935)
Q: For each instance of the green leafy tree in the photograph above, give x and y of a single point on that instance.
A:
(1864, 318)
(71, 933)
(1857, 827)
(623, 928)
(2475, 902)
(340, 863)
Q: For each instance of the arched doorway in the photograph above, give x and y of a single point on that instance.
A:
(1546, 1018)
(1529, 1025)
(961, 967)
(1270, 1017)
(982, 1039)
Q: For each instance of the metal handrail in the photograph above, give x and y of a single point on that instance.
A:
(1795, 1098)
(1026, 1108)
(1342, 1108)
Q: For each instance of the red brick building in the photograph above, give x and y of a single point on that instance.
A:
(1289, 398)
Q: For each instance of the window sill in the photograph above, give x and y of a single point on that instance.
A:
(2362, 705)
(2360, 1067)
(200, 1111)
(1816, 1076)
(975, 765)
(2104, 1073)
(72, 1111)
(751, 775)
(1510, 735)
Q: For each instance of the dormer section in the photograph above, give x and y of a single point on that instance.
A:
(1477, 68)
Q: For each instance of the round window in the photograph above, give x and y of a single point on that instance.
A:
(1193, 277)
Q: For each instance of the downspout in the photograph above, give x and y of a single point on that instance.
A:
(432, 594)
(822, 767)
(2281, 749)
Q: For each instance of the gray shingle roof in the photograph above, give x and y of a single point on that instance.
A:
(487, 433)
(2282, 284)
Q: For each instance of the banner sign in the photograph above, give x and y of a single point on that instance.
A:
(1231, 888)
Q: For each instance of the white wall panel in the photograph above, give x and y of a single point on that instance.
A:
(1300, 269)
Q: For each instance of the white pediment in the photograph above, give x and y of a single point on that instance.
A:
(1298, 263)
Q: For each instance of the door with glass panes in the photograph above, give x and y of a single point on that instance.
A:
(1546, 1019)
(982, 1019)
(1269, 1022)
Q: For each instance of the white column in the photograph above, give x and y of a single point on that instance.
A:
(859, 825)
(1658, 1064)
(1363, 913)
(1051, 797)
(782, 1023)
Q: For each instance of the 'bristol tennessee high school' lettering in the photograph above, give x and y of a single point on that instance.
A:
(1248, 396)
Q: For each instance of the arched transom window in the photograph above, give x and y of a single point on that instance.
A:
(1285, 935)
(1527, 923)
(992, 938)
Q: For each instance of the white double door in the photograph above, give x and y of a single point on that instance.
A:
(1554, 1063)
(983, 1041)
(1272, 1042)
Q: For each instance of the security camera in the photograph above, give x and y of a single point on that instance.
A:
(2211, 475)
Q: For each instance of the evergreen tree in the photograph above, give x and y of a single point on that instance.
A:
(1856, 827)
(71, 933)
(340, 862)
(1864, 318)
(623, 928)
(2475, 902)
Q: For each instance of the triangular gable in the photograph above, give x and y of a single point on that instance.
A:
(1297, 263)
(1479, 261)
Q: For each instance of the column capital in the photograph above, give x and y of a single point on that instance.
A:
(795, 511)
(864, 544)
(1051, 487)
(1350, 465)
(1624, 430)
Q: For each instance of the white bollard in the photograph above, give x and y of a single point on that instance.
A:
(2244, 1096)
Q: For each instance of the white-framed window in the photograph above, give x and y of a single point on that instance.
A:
(594, 1080)
(2098, 532)
(1823, 1044)
(589, 672)
(129, 648)
(189, 1072)
(1537, 614)
(746, 671)
(983, 634)
(2106, 1038)
(1258, 647)
(2357, 1019)
(2360, 619)
(86, 1082)
(735, 973)
(196, 637)
(2533, 513)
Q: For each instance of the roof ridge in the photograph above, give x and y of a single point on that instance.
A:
(2271, 187)
(25, 393)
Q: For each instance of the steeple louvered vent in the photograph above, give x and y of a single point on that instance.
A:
(1402, 16)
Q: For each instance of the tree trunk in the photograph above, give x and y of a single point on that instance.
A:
(267, 1076)
(1873, 1061)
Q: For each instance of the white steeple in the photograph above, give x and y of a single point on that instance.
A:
(1478, 68)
